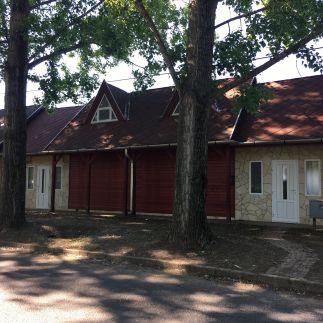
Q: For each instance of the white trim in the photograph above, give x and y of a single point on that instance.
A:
(262, 177)
(27, 177)
(176, 114)
(305, 177)
(105, 108)
(236, 124)
(275, 217)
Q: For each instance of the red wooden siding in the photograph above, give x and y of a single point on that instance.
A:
(220, 182)
(107, 178)
(78, 182)
(155, 181)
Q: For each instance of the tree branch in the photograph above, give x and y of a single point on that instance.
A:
(62, 30)
(275, 59)
(240, 17)
(60, 51)
(162, 46)
(40, 4)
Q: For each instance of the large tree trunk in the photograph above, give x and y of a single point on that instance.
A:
(189, 221)
(14, 150)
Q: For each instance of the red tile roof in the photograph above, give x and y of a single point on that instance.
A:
(145, 126)
(295, 112)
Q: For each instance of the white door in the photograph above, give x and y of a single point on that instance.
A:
(285, 206)
(42, 197)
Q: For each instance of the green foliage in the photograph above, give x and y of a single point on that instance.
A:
(114, 31)
(95, 34)
(251, 97)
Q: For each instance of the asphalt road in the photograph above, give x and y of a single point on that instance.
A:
(44, 290)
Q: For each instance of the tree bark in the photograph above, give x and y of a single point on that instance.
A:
(14, 149)
(189, 220)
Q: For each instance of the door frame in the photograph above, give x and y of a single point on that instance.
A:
(38, 186)
(274, 187)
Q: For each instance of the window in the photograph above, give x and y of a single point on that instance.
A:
(313, 177)
(104, 112)
(30, 177)
(255, 175)
(58, 183)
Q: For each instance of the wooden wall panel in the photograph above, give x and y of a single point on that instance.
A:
(78, 182)
(155, 181)
(107, 176)
(220, 185)
(107, 182)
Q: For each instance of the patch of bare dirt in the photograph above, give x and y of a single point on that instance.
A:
(236, 246)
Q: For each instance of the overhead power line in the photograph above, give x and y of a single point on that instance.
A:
(161, 74)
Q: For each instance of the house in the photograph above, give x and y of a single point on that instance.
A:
(279, 154)
(117, 154)
(42, 128)
(121, 149)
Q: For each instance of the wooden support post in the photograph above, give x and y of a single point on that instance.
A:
(53, 188)
(134, 186)
(228, 183)
(125, 184)
(89, 170)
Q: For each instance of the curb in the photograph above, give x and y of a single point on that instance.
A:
(274, 281)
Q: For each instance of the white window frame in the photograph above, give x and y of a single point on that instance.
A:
(61, 167)
(103, 109)
(262, 177)
(305, 177)
(27, 177)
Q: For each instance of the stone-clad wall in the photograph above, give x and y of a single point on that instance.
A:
(61, 195)
(259, 207)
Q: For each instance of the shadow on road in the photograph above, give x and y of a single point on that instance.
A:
(36, 287)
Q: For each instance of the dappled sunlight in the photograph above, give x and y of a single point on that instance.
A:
(242, 287)
(297, 316)
(126, 140)
(106, 139)
(38, 286)
(175, 259)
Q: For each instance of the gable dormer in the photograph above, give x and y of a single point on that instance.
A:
(172, 108)
(106, 107)
(104, 112)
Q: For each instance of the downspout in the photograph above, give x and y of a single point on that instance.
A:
(125, 183)
(132, 183)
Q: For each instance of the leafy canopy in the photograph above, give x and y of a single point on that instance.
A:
(95, 34)
(274, 27)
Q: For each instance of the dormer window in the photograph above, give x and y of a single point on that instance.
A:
(104, 112)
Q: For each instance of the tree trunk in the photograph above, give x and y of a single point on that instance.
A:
(189, 220)
(14, 149)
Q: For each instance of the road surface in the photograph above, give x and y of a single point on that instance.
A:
(39, 289)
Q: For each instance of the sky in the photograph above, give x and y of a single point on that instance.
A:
(121, 75)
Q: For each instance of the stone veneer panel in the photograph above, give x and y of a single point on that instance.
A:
(259, 207)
